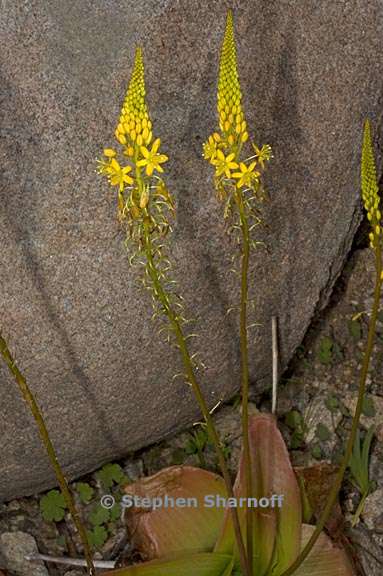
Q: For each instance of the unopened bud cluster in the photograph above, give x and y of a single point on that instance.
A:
(370, 189)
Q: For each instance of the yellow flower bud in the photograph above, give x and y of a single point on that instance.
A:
(377, 230)
(227, 126)
(133, 135)
(140, 140)
(244, 137)
(222, 116)
(109, 152)
(121, 138)
(120, 129)
(231, 139)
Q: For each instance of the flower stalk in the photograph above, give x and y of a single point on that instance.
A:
(238, 185)
(44, 434)
(371, 201)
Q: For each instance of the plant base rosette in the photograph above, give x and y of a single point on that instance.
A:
(177, 537)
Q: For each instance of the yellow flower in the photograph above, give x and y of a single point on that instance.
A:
(246, 176)
(210, 148)
(118, 175)
(151, 159)
(224, 164)
(262, 154)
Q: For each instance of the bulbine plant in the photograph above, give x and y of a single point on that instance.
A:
(141, 204)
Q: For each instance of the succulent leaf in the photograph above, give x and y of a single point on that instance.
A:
(170, 530)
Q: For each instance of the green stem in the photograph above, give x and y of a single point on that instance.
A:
(359, 510)
(164, 299)
(355, 423)
(30, 400)
(245, 374)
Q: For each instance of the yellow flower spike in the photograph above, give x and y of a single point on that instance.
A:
(109, 152)
(151, 159)
(369, 184)
(224, 164)
(246, 176)
(229, 90)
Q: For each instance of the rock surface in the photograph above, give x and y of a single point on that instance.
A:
(69, 305)
(14, 546)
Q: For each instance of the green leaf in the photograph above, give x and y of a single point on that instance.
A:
(322, 432)
(111, 473)
(172, 529)
(325, 350)
(332, 403)
(98, 536)
(355, 329)
(316, 452)
(52, 506)
(85, 491)
(368, 407)
(204, 564)
(115, 512)
(99, 515)
(294, 420)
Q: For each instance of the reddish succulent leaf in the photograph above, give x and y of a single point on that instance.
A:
(277, 529)
(205, 564)
(167, 530)
(325, 559)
